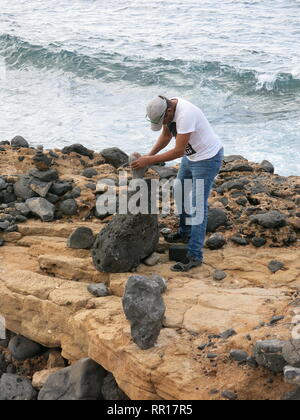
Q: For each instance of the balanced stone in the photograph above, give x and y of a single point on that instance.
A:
(22, 348)
(81, 238)
(16, 388)
(267, 166)
(40, 187)
(98, 289)
(19, 141)
(41, 161)
(42, 208)
(145, 309)
(81, 381)
(136, 173)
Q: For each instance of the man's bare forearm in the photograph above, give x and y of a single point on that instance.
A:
(161, 143)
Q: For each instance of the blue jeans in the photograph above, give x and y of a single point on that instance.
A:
(205, 170)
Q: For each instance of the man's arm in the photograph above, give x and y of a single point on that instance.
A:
(162, 142)
(178, 151)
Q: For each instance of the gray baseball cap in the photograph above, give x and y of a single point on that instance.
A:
(156, 111)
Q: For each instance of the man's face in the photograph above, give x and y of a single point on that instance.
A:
(169, 116)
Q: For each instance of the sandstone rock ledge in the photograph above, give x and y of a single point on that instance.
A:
(58, 312)
(43, 289)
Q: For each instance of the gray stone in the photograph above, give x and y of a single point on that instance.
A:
(216, 218)
(275, 266)
(111, 391)
(42, 208)
(19, 141)
(267, 166)
(219, 275)
(291, 353)
(2, 243)
(45, 176)
(89, 173)
(68, 207)
(237, 167)
(98, 289)
(162, 282)
(152, 260)
(23, 209)
(136, 173)
(40, 187)
(258, 242)
(232, 158)
(239, 240)
(229, 395)
(292, 375)
(22, 348)
(145, 310)
(270, 220)
(61, 187)
(79, 149)
(239, 355)
(115, 157)
(236, 184)
(165, 172)
(3, 184)
(216, 241)
(228, 333)
(292, 395)
(81, 238)
(269, 355)
(22, 188)
(16, 388)
(82, 381)
(4, 225)
(125, 242)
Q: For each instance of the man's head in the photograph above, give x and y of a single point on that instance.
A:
(160, 111)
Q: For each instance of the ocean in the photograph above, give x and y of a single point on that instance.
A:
(82, 71)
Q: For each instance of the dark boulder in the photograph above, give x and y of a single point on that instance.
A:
(16, 388)
(267, 166)
(68, 207)
(114, 156)
(22, 348)
(165, 172)
(19, 141)
(125, 242)
(291, 353)
(22, 188)
(271, 219)
(216, 241)
(45, 176)
(60, 188)
(81, 238)
(89, 173)
(145, 309)
(111, 391)
(79, 149)
(42, 208)
(232, 158)
(82, 381)
(268, 354)
(216, 218)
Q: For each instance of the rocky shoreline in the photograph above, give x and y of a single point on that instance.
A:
(234, 317)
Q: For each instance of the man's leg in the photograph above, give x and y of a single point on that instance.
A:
(184, 232)
(205, 170)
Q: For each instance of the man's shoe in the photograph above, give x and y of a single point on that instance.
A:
(177, 237)
(186, 265)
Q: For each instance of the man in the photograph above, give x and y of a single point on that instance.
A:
(202, 153)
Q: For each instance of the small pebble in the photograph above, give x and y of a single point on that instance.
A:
(276, 319)
(229, 395)
(212, 356)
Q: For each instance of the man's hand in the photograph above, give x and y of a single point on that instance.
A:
(142, 162)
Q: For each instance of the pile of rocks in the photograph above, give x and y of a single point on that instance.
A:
(84, 380)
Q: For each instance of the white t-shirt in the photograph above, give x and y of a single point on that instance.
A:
(204, 142)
